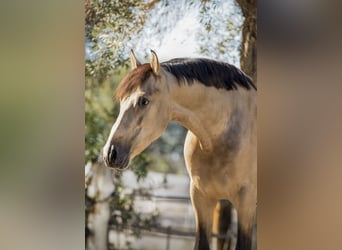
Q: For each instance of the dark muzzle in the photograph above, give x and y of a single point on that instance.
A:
(115, 158)
(111, 155)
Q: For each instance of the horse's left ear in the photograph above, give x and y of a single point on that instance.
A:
(134, 61)
(155, 63)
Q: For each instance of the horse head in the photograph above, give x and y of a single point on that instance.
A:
(144, 113)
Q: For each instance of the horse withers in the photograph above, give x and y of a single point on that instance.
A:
(216, 102)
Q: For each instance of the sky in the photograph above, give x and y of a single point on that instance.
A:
(182, 40)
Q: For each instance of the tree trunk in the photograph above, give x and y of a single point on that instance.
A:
(248, 52)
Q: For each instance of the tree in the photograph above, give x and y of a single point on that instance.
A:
(248, 51)
(108, 25)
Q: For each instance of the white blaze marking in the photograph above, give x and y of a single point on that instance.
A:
(132, 100)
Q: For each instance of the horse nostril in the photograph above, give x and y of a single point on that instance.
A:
(112, 155)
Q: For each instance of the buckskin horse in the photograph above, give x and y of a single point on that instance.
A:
(216, 102)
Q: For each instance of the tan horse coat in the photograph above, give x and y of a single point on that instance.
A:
(220, 147)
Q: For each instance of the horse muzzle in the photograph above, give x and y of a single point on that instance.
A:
(115, 157)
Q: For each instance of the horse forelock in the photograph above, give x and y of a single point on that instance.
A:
(133, 81)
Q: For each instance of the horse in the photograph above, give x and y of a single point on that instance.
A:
(216, 103)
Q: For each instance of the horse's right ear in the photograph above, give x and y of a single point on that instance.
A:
(134, 61)
(155, 65)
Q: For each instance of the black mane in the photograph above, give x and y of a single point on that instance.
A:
(208, 72)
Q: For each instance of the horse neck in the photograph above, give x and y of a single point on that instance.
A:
(206, 111)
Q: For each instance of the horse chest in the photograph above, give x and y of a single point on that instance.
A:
(217, 174)
(211, 175)
(213, 179)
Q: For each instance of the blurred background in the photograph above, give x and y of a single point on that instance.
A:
(42, 112)
(148, 206)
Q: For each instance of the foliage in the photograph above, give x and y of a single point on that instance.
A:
(208, 28)
(109, 25)
(112, 28)
(140, 165)
(124, 214)
(220, 32)
(125, 218)
(100, 111)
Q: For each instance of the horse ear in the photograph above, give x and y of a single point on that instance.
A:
(134, 61)
(155, 63)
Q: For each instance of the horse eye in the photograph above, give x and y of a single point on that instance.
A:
(143, 101)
